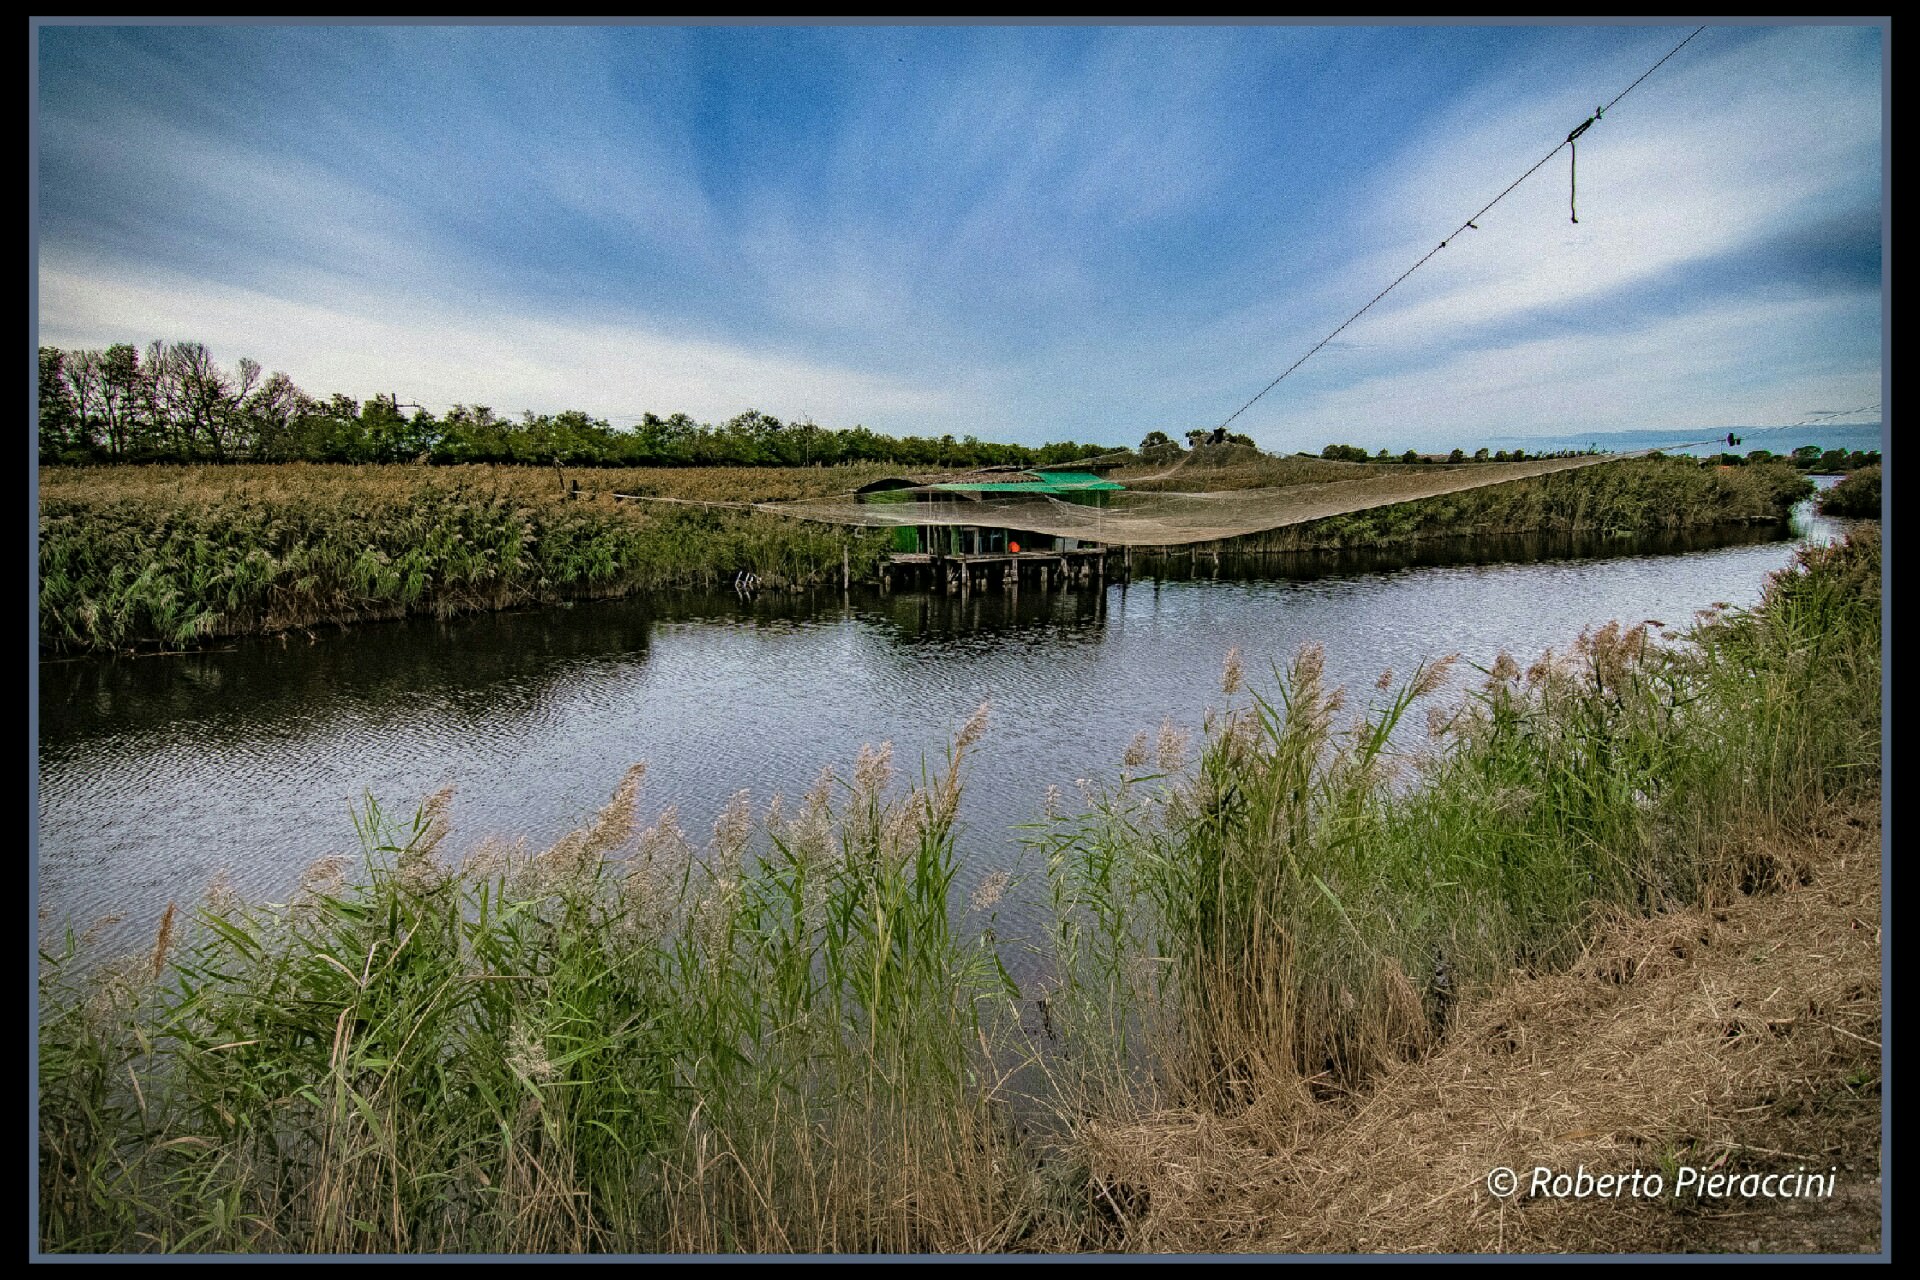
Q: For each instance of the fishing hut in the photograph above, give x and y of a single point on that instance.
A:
(955, 535)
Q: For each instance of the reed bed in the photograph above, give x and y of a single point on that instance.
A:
(175, 556)
(1621, 499)
(800, 1037)
(172, 556)
(623, 1041)
(1857, 496)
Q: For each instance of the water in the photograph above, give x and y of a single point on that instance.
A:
(158, 773)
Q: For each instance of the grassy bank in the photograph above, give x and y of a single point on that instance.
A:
(1633, 496)
(1857, 496)
(175, 556)
(796, 1035)
(1713, 1037)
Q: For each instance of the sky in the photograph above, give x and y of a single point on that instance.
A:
(1024, 234)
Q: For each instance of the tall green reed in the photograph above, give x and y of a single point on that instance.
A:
(784, 1039)
(622, 1042)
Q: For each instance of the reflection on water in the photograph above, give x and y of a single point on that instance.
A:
(158, 772)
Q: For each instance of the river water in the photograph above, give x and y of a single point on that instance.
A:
(158, 773)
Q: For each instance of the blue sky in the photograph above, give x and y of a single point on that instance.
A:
(1020, 233)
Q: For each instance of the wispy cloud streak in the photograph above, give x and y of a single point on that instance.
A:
(1028, 233)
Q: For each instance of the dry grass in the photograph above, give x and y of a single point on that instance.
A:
(1743, 1035)
(1627, 917)
(308, 481)
(1220, 468)
(1623, 497)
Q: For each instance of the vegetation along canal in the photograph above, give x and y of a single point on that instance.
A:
(160, 774)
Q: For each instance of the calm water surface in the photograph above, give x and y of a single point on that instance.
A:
(158, 773)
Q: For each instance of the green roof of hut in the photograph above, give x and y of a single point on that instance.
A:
(1034, 482)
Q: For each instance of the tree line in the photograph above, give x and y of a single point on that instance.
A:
(173, 402)
(1810, 458)
(1354, 453)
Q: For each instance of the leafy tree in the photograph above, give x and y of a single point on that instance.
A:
(62, 425)
(122, 392)
(270, 413)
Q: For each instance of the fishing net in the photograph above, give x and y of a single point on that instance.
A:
(1135, 518)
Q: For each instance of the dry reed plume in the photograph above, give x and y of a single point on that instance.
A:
(1294, 993)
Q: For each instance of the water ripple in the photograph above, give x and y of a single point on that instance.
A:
(156, 774)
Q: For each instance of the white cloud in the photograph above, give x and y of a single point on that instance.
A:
(980, 251)
(1744, 363)
(437, 355)
(1724, 153)
(1725, 148)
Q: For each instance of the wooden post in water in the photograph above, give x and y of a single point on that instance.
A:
(846, 571)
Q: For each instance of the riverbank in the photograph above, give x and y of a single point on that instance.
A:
(1857, 496)
(173, 557)
(1737, 1038)
(799, 1037)
(1632, 497)
(177, 556)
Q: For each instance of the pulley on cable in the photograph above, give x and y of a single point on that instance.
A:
(1573, 166)
(1470, 224)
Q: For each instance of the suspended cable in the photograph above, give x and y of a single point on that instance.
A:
(1464, 226)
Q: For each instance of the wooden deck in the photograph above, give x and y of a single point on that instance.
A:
(995, 571)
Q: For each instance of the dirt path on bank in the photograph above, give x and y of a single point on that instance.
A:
(1740, 1039)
